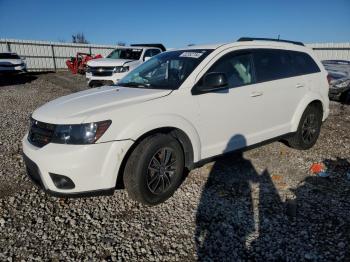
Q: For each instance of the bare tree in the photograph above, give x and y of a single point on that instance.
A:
(79, 38)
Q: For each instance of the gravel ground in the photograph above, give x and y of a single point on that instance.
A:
(260, 205)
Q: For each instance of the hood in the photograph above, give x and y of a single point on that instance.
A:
(10, 61)
(75, 108)
(108, 62)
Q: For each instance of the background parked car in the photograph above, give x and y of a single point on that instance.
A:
(119, 62)
(339, 73)
(11, 63)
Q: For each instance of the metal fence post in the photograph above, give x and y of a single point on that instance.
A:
(8, 46)
(90, 50)
(53, 58)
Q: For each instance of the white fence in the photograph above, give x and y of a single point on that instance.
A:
(45, 56)
(42, 55)
(329, 51)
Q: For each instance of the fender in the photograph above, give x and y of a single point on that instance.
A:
(139, 127)
(310, 97)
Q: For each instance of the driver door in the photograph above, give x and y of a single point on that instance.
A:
(230, 118)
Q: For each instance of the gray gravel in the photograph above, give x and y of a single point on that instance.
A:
(262, 205)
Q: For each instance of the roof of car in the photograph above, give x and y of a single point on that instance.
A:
(267, 43)
(137, 47)
(154, 45)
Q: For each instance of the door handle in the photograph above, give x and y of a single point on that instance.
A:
(255, 94)
(299, 85)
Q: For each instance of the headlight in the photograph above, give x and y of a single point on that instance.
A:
(88, 69)
(120, 69)
(81, 133)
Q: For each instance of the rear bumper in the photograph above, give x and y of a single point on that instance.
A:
(336, 92)
(92, 168)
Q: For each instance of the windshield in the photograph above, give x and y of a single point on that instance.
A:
(126, 53)
(167, 70)
(9, 56)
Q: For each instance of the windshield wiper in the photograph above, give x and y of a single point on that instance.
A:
(134, 84)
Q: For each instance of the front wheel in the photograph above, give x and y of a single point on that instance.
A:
(308, 130)
(154, 169)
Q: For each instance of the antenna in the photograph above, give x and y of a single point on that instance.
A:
(278, 37)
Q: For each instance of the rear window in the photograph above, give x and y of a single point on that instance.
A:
(303, 63)
(9, 56)
(273, 64)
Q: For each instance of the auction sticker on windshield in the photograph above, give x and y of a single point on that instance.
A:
(191, 54)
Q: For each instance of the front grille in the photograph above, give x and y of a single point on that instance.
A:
(101, 71)
(40, 134)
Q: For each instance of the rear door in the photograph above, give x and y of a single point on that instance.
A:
(306, 67)
(282, 90)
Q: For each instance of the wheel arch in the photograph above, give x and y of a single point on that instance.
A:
(175, 132)
(301, 108)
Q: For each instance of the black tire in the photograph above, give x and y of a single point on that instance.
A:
(142, 168)
(345, 97)
(308, 130)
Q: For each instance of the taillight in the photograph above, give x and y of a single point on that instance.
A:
(329, 79)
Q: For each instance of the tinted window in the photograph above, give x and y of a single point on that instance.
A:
(148, 53)
(272, 65)
(155, 52)
(237, 67)
(303, 63)
(151, 52)
(126, 53)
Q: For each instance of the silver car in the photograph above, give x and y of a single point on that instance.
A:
(12, 63)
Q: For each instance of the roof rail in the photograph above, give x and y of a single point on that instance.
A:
(243, 39)
(160, 46)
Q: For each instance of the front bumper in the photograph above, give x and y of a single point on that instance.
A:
(113, 78)
(13, 70)
(93, 168)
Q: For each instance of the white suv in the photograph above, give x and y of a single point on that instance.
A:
(173, 112)
(119, 62)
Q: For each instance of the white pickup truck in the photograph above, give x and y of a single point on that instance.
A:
(119, 62)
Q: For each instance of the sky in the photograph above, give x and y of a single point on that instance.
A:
(175, 23)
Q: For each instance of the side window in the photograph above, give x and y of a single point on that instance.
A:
(148, 53)
(237, 67)
(272, 64)
(303, 63)
(155, 52)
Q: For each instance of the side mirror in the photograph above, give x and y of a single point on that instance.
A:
(214, 81)
(146, 58)
(23, 58)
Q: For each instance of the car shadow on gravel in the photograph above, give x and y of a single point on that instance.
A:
(9, 80)
(241, 217)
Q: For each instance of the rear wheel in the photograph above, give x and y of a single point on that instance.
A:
(308, 130)
(154, 169)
